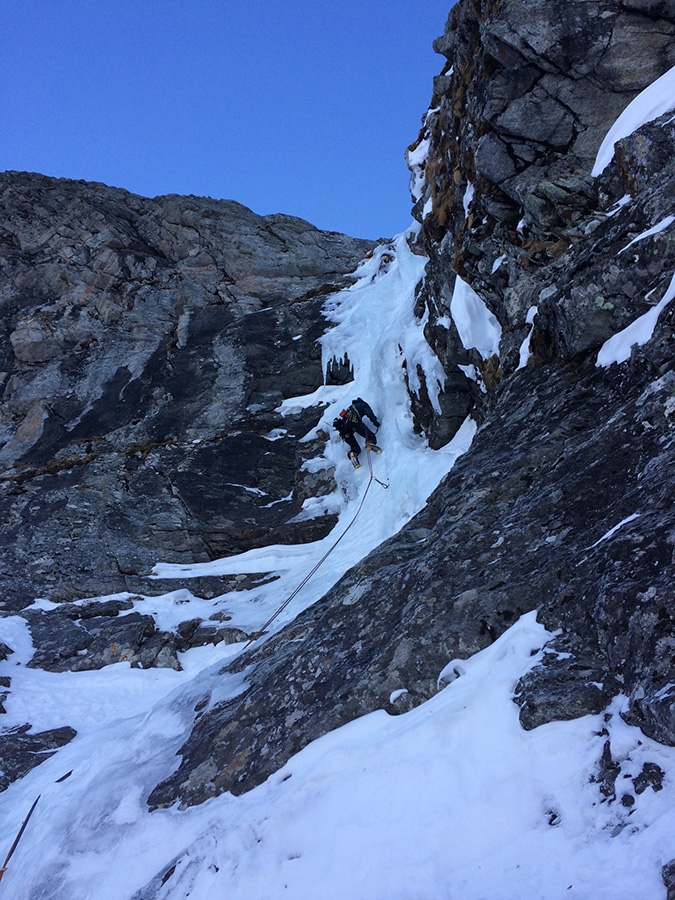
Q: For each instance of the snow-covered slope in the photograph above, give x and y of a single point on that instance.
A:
(451, 799)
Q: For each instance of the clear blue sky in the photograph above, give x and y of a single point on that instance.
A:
(296, 106)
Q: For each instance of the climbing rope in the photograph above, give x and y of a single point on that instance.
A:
(296, 591)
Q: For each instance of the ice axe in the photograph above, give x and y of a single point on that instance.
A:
(18, 837)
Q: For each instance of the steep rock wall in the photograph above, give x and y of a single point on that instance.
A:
(501, 172)
(145, 347)
(564, 502)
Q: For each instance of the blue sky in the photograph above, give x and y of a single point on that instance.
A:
(296, 106)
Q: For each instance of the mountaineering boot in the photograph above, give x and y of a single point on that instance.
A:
(373, 447)
(354, 458)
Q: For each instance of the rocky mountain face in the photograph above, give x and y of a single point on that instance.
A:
(501, 175)
(566, 452)
(145, 347)
(150, 342)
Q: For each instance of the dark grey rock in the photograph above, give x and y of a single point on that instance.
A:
(608, 771)
(147, 345)
(5, 682)
(21, 751)
(111, 607)
(59, 641)
(198, 633)
(517, 118)
(668, 875)
(537, 117)
(493, 159)
(64, 645)
(570, 682)
(651, 776)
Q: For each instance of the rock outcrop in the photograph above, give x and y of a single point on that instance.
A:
(146, 345)
(20, 751)
(501, 173)
(564, 503)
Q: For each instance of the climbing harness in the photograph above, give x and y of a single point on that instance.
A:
(254, 637)
(18, 838)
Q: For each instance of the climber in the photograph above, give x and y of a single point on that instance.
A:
(350, 421)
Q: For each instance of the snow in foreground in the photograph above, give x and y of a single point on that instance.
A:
(451, 800)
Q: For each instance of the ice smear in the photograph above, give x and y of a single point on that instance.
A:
(612, 531)
(477, 326)
(417, 160)
(656, 229)
(656, 99)
(498, 262)
(618, 348)
(468, 197)
(374, 324)
(525, 346)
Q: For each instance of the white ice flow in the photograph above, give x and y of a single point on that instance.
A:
(374, 325)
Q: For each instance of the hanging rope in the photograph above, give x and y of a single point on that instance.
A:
(296, 591)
